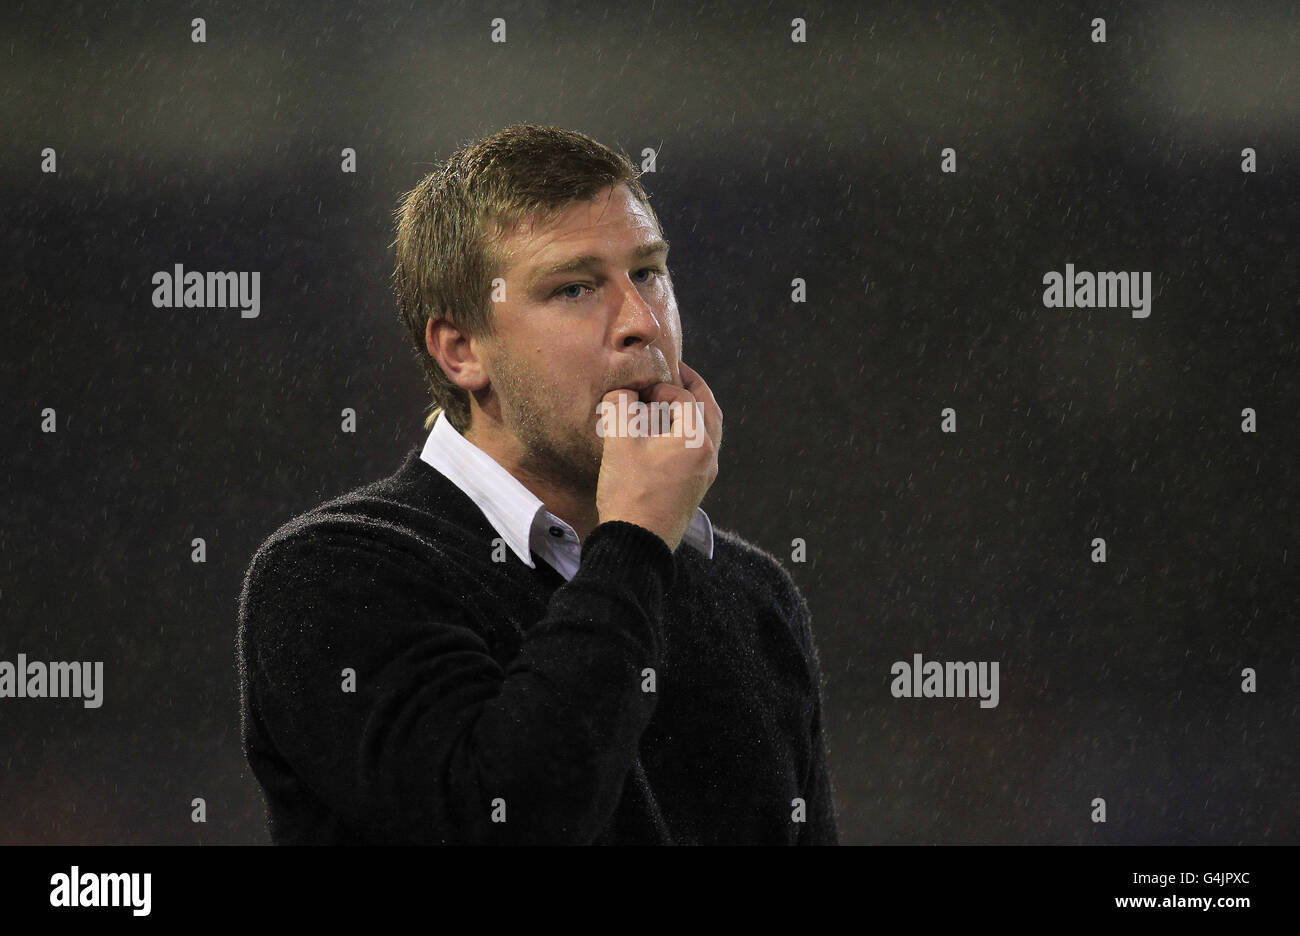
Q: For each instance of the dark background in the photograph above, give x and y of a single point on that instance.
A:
(776, 160)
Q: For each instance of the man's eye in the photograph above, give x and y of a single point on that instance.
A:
(657, 271)
(564, 290)
(564, 293)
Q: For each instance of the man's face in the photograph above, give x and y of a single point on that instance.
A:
(588, 307)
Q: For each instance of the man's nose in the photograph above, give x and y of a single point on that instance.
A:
(636, 319)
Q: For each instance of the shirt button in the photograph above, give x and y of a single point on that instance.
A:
(556, 531)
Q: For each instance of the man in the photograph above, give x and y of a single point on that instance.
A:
(530, 633)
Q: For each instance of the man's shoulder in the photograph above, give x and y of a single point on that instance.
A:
(362, 512)
(409, 511)
(762, 574)
(756, 580)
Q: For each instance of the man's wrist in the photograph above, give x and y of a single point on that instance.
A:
(649, 525)
(617, 543)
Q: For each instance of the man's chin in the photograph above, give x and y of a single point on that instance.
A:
(575, 470)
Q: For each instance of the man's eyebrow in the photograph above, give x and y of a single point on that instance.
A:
(575, 264)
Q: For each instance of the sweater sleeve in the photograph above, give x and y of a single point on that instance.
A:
(820, 827)
(436, 742)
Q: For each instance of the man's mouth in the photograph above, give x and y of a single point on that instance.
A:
(641, 388)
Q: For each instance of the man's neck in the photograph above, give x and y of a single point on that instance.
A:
(576, 508)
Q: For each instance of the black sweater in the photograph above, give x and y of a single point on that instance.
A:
(399, 686)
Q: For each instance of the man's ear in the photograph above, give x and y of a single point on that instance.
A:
(456, 354)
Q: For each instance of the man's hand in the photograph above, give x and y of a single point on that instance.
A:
(658, 481)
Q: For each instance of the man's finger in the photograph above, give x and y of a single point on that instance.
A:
(698, 389)
(669, 394)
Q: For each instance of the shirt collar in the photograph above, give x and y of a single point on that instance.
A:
(515, 512)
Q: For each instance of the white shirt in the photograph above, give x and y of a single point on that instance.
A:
(516, 513)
